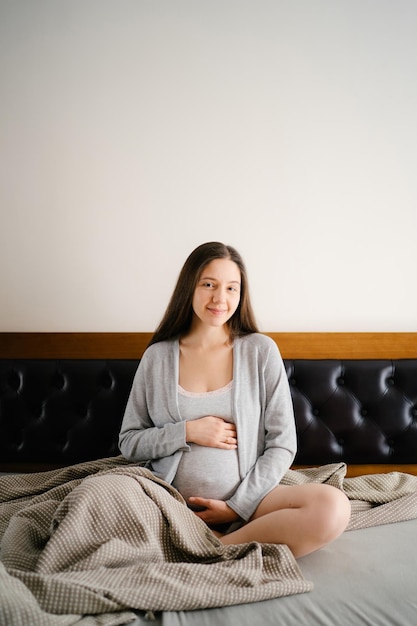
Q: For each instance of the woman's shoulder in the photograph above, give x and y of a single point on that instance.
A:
(259, 341)
(160, 349)
(258, 352)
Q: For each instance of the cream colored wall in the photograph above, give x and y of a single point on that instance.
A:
(133, 130)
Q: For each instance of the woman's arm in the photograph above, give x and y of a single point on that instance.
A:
(148, 429)
(280, 441)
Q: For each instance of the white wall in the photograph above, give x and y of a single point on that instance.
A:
(134, 130)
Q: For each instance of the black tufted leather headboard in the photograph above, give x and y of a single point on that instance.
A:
(357, 411)
(59, 412)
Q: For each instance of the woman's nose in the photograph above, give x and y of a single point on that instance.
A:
(219, 295)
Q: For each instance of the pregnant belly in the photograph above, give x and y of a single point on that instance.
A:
(207, 473)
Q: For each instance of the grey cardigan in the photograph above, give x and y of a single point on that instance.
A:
(152, 429)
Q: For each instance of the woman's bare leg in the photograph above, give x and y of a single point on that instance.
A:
(304, 517)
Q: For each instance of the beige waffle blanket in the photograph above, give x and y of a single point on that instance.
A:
(85, 544)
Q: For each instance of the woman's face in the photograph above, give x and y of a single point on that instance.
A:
(217, 294)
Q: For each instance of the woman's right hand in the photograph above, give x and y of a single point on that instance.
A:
(212, 432)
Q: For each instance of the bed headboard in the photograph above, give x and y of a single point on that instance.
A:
(132, 345)
(62, 397)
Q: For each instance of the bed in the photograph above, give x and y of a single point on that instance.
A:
(62, 397)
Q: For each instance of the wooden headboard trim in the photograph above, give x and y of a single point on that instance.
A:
(122, 345)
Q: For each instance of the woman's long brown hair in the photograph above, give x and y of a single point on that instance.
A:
(178, 315)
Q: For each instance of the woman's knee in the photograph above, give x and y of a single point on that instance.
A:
(332, 512)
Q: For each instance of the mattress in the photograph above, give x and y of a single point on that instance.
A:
(365, 577)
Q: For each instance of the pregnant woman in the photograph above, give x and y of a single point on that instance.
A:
(211, 411)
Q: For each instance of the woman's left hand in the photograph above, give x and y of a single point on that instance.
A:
(215, 511)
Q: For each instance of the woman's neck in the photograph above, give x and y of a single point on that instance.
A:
(205, 337)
